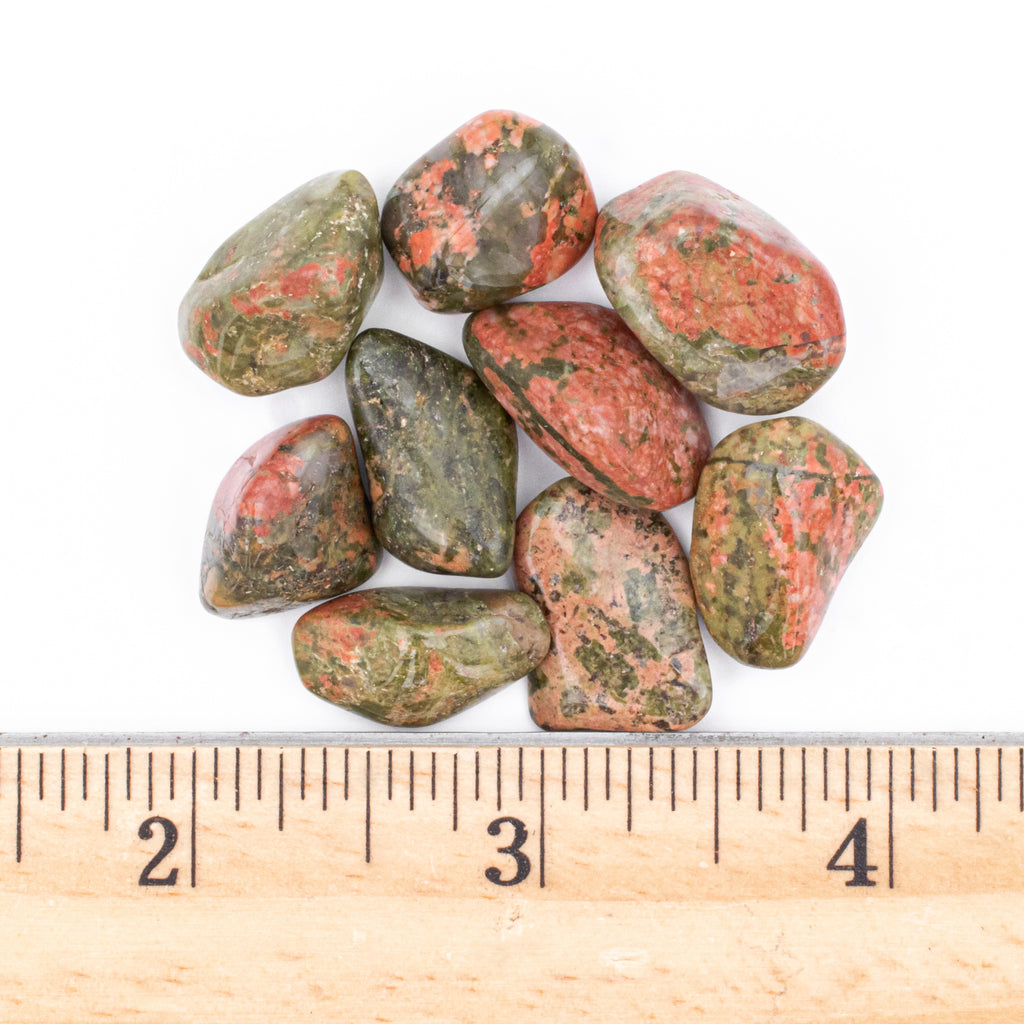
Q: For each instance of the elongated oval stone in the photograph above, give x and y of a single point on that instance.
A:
(289, 523)
(279, 303)
(626, 650)
(782, 508)
(579, 383)
(722, 294)
(500, 206)
(411, 656)
(440, 454)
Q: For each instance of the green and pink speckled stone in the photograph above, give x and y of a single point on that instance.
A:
(289, 523)
(411, 656)
(721, 294)
(582, 387)
(279, 303)
(626, 650)
(782, 507)
(497, 208)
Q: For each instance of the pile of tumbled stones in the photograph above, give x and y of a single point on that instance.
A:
(712, 300)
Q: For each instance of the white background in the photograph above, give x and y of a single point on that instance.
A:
(137, 137)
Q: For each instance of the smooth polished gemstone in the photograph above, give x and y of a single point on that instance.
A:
(440, 454)
(412, 656)
(279, 303)
(499, 207)
(721, 294)
(579, 383)
(782, 508)
(626, 650)
(289, 523)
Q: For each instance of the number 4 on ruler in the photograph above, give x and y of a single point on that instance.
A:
(858, 835)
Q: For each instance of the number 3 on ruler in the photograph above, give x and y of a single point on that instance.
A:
(513, 849)
(858, 835)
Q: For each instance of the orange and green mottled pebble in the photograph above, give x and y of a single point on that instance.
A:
(497, 208)
(626, 650)
(579, 383)
(721, 294)
(411, 656)
(289, 523)
(782, 507)
(279, 303)
(441, 456)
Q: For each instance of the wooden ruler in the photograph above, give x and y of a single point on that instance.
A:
(448, 877)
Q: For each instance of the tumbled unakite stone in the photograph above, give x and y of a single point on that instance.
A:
(782, 507)
(440, 454)
(626, 651)
(411, 656)
(499, 207)
(279, 303)
(579, 383)
(722, 294)
(289, 523)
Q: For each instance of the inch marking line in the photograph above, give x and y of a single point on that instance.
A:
(541, 815)
(891, 857)
(716, 805)
(455, 791)
(149, 781)
(629, 789)
(192, 844)
(367, 805)
(17, 829)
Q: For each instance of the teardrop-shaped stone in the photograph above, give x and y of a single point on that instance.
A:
(279, 303)
(289, 523)
(579, 383)
(440, 454)
(782, 507)
(499, 207)
(626, 650)
(721, 294)
(411, 656)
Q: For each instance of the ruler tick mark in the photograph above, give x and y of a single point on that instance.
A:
(455, 792)
(389, 774)
(238, 778)
(149, 781)
(891, 858)
(476, 774)
(85, 775)
(782, 773)
(280, 792)
(499, 778)
(760, 780)
(868, 757)
(846, 772)
(106, 792)
(977, 789)
(542, 813)
(694, 774)
(738, 769)
(63, 778)
(259, 773)
(367, 805)
(935, 779)
(716, 804)
(17, 826)
(171, 776)
(127, 773)
(1020, 777)
(412, 781)
(563, 773)
(912, 775)
(650, 773)
(216, 768)
(956, 773)
(803, 789)
(302, 774)
(672, 774)
(629, 789)
(999, 774)
(193, 830)
(323, 780)
(346, 773)
(40, 775)
(824, 774)
(586, 778)
(520, 774)
(433, 775)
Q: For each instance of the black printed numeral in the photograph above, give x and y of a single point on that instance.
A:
(519, 837)
(858, 835)
(170, 838)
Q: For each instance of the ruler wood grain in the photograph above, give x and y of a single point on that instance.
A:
(435, 879)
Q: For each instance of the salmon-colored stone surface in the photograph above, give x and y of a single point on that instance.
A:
(613, 583)
(582, 386)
